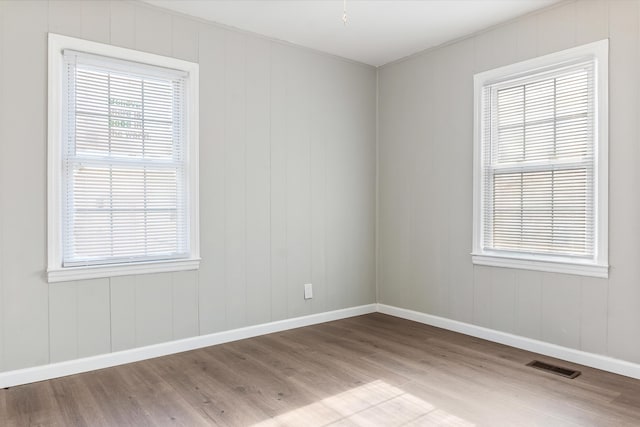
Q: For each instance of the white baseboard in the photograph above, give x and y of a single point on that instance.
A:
(605, 363)
(55, 370)
(61, 369)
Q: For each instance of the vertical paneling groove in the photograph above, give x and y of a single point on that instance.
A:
(63, 17)
(148, 20)
(93, 317)
(441, 124)
(153, 309)
(184, 285)
(2, 187)
(318, 179)
(298, 211)
(184, 40)
(245, 176)
(63, 322)
(270, 179)
(110, 315)
(211, 285)
(311, 99)
(123, 312)
(459, 230)
(95, 21)
(279, 69)
(529, 305)
(122, 24)
(184, 291)
(258, 215)
(235, 179)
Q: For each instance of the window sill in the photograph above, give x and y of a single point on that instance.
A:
(112, 270)
(550, 266)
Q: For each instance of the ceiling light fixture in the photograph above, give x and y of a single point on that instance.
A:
(344, 12)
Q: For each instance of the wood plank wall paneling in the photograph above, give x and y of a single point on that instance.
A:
(425, 187)
(258, 183)
(23, 177)
(624, 203)
(122, 24)
(212, 250)
(184, 287)
(266, 118)
(298, 204)
(351, 242)
(321, 107)
(235, 181)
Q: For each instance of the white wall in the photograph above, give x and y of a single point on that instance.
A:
(425, 188)
(287, 183)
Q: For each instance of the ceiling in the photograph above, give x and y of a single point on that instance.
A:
(377, 31)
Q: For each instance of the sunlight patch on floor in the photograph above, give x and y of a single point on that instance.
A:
(373, 404)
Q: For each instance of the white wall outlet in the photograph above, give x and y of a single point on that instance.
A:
(308, 291)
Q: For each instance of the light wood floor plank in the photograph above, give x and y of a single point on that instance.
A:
(372, 370)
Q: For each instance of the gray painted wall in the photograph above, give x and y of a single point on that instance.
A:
(425, 188)
(288, 187)
(287, 160)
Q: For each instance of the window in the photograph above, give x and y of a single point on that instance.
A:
(540, 163)
(123, 171)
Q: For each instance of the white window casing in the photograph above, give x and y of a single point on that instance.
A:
(540, 179)
(122, 162)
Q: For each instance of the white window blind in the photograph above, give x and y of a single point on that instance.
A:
(124, 165)
(538, 157)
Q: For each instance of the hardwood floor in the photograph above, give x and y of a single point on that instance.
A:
(367, 370)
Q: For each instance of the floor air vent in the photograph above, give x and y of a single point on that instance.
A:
(552, 369)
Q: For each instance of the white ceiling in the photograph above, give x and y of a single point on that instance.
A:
(377, 31)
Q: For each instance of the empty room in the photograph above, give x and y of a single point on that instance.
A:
(319, 213)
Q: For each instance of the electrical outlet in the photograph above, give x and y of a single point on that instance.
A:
(308, 291)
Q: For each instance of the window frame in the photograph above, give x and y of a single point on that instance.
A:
(56, 272)
(598, 265)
